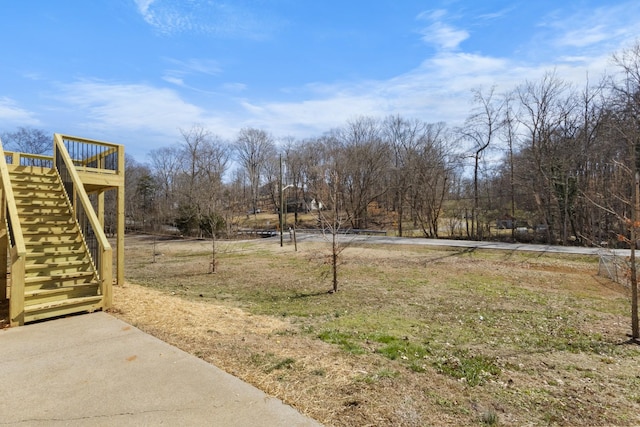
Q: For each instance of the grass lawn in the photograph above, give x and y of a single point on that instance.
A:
(415, 336)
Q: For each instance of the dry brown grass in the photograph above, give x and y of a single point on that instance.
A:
(551, 328)
(327, 384)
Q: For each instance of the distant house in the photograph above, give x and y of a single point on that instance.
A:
(315, 206)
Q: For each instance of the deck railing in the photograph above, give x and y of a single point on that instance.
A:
(92, 231)
(25, 159)
(89, 155)
(17, 249)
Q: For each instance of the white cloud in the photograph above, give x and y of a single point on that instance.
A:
(129, 106)
(438, 90)
(189, 67)
(13, 115)
(440, 33)
(143, 6)
(584, 36)
(234, 87)
(140, 116)
(497, 15)
(586, 29)
(173, 80)
(194, 65)
(218, 18)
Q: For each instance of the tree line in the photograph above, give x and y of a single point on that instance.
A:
(545, 160)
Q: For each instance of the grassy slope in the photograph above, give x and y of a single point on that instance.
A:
(415, 336)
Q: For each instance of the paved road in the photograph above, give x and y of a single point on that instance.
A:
(470, 244)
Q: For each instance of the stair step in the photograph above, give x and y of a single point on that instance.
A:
(27, 187)
(67, 249)
(46, 221)
(62, 307)
(38, 211)
(54, 205)
(34, 189)
(55, 262)
(61, 292)
(31, 172)
(76, 265)
(50, 202)
(59, 239)
(74, 277)
(50, 235)
(31, 229)
(59, 253)
(55, 276)
(38, 193)
(34, 181)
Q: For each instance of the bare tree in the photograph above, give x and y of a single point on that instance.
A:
(591, 221)
(139, 195)
(480, 129)
(361, 167)
(334, 220)
(28, 140)
(509, 129)
(404, 137)
(432, 169)
(166, 165)
(545, 106)
(253, 148)
(203, 161)
(626, 93)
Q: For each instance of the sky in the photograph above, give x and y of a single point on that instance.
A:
(135, 72)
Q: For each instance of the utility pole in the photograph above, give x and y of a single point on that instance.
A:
(281, 188)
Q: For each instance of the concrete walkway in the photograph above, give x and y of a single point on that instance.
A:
(95, 370)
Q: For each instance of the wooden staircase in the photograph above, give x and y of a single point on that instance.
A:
(52, 221)
(60, 277)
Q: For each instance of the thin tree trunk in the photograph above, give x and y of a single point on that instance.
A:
(635, 217)
(213, 248)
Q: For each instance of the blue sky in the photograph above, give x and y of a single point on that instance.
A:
(136, 71)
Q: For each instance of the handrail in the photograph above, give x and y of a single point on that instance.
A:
(62, 157)
(87, 141)
(18, 248)
(94, 154)
(14, 221)
(26, 159)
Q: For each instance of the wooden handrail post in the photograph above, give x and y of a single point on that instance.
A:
(121, 223)
(16, 302)
(4, 246)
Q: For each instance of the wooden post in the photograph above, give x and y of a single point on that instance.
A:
(101, 208)
(16, 303)
(107, 279)
(120, 219)
(4, 247)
